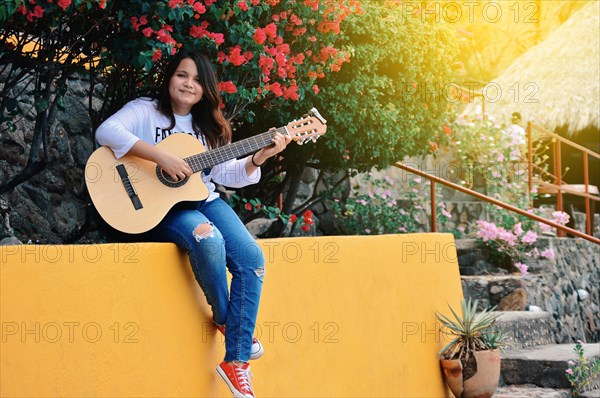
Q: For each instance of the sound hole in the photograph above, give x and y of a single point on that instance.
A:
(167, 180)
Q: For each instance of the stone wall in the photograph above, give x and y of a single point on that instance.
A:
(50, 207)
(568, 286)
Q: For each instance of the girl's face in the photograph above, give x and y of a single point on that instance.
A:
(184, 87)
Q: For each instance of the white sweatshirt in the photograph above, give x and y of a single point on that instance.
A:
(140, 120)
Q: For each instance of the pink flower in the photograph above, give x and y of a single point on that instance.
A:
(367, 230)
(522, 268)
(569, 371)
(548, 253)
(517, 229)
(545, 227)
(560, 217)
(529, 237)
(507, 236)
(487, 231)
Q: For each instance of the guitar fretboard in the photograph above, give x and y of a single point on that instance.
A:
(222, 154)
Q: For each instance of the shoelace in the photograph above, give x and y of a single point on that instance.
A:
(243, 376)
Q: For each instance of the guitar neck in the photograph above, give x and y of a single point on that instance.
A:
(222, 154)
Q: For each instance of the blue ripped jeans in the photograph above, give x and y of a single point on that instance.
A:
(222, 244)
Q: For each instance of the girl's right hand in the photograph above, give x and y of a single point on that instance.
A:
(173, 165)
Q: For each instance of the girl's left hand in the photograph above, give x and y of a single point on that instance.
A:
(280, 141)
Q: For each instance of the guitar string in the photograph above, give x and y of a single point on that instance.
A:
(216, 156)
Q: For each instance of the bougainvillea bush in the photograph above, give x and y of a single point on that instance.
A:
(266, 50)
(389, 101)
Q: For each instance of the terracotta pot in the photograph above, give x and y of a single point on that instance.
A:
(483, 383)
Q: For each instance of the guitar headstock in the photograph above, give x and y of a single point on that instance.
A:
(308, 128)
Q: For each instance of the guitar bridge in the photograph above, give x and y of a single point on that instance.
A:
(129, 188)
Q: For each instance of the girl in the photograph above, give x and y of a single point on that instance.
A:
(210, 231)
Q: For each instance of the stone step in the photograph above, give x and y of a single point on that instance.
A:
(530, 391)
(544, 365)
(591, 394)
(527, 329)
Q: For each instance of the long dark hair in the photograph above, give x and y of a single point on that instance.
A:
(207, 117)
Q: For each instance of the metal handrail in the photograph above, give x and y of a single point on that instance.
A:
(435, 179)
(558, 183)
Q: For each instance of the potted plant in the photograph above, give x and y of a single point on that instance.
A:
(471, 360)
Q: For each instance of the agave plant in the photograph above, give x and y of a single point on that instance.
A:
(472, 331)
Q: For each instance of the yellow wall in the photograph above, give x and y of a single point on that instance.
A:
(340, 316)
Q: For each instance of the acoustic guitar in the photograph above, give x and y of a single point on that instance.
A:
(133, 195)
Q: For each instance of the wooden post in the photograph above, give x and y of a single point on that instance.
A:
(529, 164)
(588, 215)
(433, 207)
(558, 174)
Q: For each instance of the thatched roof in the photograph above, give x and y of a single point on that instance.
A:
(558, 79)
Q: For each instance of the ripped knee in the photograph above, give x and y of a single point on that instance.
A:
(203, 231)
(260, 272)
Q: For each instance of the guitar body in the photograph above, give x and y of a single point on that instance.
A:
(112, 200)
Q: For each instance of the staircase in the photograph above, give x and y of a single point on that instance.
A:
(534, 366)
(534, 363)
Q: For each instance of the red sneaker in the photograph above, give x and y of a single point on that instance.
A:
(237, 378)
(257, 350)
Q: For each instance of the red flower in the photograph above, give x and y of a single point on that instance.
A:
(291, 92)
(243, 6)
(147, 32)
(446, 129)
(275, 88)
(248, 206)
(293, 218)
(227, 87)
(259, 36)
(295, 20)
(235, 56)
(199, 8)
(271, 30)
(38, 12)
(307, 214)
(157, 55)
(315, 89)
(64, 4)
(305, 228)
